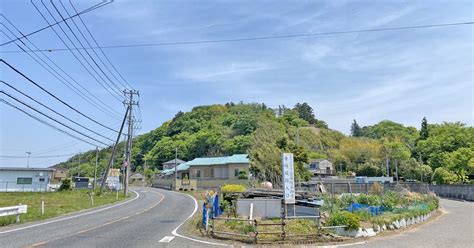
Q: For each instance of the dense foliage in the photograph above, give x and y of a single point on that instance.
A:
(442, 152)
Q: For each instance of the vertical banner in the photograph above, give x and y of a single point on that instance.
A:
(288, 178)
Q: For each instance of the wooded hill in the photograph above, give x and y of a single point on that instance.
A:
(443, 152)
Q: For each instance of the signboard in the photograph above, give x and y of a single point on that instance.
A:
(288, 178)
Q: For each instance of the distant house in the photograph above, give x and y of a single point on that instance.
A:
(170, 164)
(227, 167)
(25, 179)
(182, 169)
(321, 167)
(60, 173)
(137, 178)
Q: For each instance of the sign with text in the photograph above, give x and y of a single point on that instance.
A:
(288, 178)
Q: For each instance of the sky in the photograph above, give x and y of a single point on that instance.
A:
(400, 75)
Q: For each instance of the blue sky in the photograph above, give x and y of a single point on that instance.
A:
(396, 75)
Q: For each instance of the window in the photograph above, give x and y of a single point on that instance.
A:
(198, 173)
(236, 172)
(24, 180)
(41, 179)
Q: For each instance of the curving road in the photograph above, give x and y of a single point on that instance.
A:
(153, 215)
(143, 221)
(455, 228)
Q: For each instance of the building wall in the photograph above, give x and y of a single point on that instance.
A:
(217, 171)
(39, 180)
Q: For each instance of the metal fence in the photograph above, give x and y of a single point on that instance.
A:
(33, 187)
(462, 192)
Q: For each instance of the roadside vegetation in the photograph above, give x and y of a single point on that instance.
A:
(55, 203)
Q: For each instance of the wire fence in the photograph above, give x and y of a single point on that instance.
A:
(32, 187)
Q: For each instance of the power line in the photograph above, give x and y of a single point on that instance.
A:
(96, 6)
(260, 38)
(80, 53)
(97, 44)
(46, 123)
(51, 118)
(54, 111)
(46, 156)
(80, 43)
(87, 97)
(54, 96)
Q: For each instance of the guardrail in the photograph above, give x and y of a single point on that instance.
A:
(14, 210)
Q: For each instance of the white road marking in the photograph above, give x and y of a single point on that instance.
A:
(72, 217)
(175, 231)
(166, 239)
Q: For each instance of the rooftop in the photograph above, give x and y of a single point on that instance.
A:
(234, 159)
(178, 161)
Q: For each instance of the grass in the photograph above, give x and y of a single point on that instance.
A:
(55, 203)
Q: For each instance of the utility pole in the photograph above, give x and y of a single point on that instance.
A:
(28, 161)
(114, 149)
(95, 168)
(175, 168)
(128, 159)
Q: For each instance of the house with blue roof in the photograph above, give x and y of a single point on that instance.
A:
(226, 167)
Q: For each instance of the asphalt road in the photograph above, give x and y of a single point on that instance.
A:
(140, 222)
(455, 228)
(155, 214)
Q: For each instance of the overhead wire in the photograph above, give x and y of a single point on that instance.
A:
(54, 111)
(86, 97)
(263, 37)
(97, 44)
(96, 6)
(87, 41)
(46, 123)
(54, 96)
(112, 93)
(51, 118)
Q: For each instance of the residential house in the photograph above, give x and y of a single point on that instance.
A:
(137, 178)
(227, 167)
(170, 164)
(321, 167)
(14, 179)
(59, 174)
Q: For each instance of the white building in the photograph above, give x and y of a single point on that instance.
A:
(25, 179)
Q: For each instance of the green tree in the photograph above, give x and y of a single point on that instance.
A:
(356, 131)
(424, 133)
(305, 112)
(443, 176)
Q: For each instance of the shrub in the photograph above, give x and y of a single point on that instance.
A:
(243, 175)
(390, 200)
(376, 189)
(233, 188)
(344, 218)
(372, 200)
(65, 185)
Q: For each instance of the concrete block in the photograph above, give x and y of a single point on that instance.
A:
(396, 224)
(377, 228)
(403, 223)
(370, 232)
(391, 227)
(384, 227)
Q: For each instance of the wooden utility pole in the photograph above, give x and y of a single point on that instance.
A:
(175, 168)
(114, 149)
(95, 168)
(128, 156)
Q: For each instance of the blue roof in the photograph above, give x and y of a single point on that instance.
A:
(181, 167)
(234, 159)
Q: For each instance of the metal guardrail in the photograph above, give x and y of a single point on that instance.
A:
(14, 210)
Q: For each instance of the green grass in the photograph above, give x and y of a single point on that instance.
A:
(56, 203)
